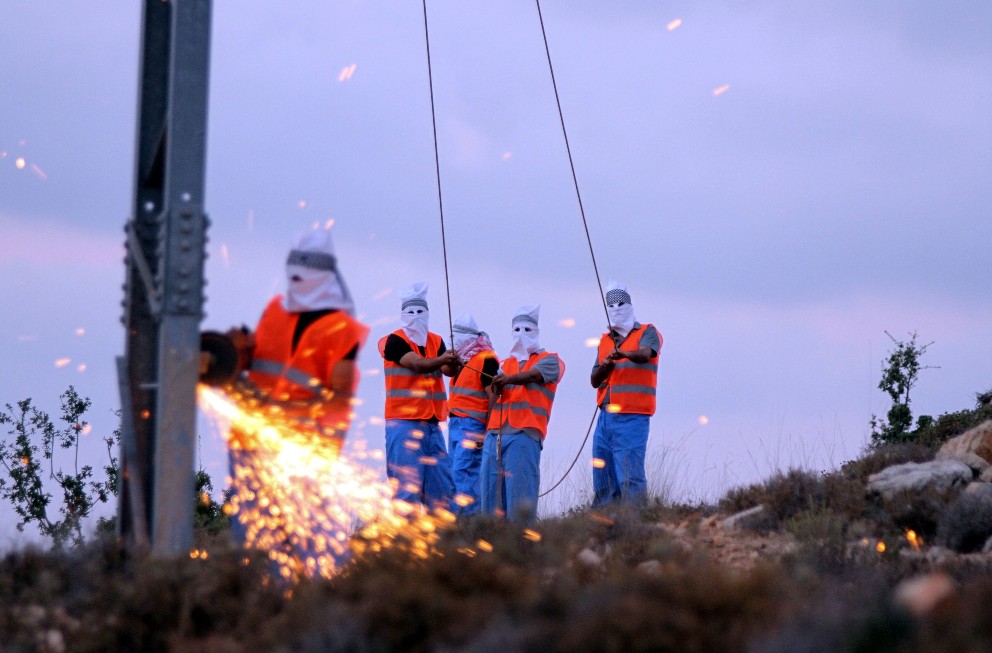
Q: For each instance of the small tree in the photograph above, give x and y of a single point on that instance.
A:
(899, 375)
(29, 445)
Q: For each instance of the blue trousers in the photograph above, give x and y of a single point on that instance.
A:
(417, 460)
(620, 441)
(466, 460)
(521, 476)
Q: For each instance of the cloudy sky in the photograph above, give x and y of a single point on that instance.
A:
(778, 183)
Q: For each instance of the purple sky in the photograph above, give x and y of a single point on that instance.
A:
(838, 187)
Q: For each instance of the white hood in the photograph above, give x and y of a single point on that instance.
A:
(313, 280)
(414, 314)
(619, 308)
(526, 334)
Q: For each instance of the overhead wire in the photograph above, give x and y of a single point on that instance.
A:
(437, 170)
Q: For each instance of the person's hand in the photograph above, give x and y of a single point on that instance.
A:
(499, 382)
(243, 340)
(613, 357)
(449, 357)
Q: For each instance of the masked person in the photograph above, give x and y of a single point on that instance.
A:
(626, 378)
(471, 399)
(518, 422)
(414, 360)
(302, 375)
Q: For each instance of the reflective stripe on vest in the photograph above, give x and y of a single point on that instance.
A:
(525, 406)
(631, 386)
(409, 394)
(299, 377)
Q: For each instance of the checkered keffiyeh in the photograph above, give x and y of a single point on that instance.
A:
(617, 295)
(414, 302)
(313, 260)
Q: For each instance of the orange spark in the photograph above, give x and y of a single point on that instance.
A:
(81, 367)
(38, 171)
(703, 420)
(329, 223)
(20, 162)
(347, 72)
(568, 322)
(80, 331)
(302, 204)
(674, 25)
(507, 155)
(483, 545)
(613, 408)
(592, 342)
(62, 362)
(880, 546)
(533, 536)
(720, 90)
(598, 463)
(299, 497)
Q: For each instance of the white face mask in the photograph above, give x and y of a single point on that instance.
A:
(621, 317)
(314, 290)
(525, 341)
(414, 322)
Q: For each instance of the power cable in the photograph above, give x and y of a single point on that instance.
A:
(437, 170)
(571, 164)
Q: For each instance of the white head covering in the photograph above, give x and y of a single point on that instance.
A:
(619, 308)
(466, 338)
(526, 334)
(314, 282)
(414, 314)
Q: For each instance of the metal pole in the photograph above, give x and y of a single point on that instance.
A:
(166, 242)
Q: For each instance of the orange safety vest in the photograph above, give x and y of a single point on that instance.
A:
(468, 397)
(409, 394)
(301, 375)
(525, 406)
(631, 385)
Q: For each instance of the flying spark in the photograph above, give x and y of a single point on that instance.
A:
(703, 420)
(347, 72)
(20, 162)
(568, 322)
(82, 367)
(62, 362)
(592, 342)
(302, 204)
(507, 155)
(80, 331)
(38, 171)
(598, 463)
(720, 90)
(674, 25)
(311, 507)
(329, 223)
(224, 255)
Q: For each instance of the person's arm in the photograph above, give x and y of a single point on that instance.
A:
(446, 362)
(342, 387)
(640, 355)
(532, 375)
(602, 372)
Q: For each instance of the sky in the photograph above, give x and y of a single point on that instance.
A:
(778, 184)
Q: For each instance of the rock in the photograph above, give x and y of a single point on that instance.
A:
(977, 441)
(742, 518)
(922, 594)
(976, 462)
(941, 475)
(589, 558)
(54, 641)
(650, 567)
(980, 489)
